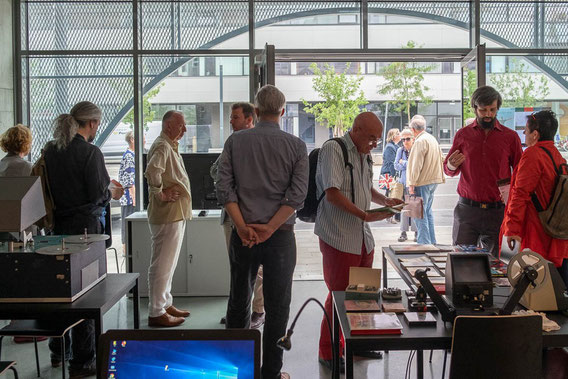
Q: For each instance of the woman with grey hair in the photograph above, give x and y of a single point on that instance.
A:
(126, 177)
(400, 164)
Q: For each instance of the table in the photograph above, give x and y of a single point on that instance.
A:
(92, 305)
(416, 338)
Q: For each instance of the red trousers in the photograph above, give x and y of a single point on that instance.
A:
(336, 275)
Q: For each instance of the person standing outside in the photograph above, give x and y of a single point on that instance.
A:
(81, 190)
(423, 174)
(400, 164)
(389, 155)
(482, 153)
(242, 118)
(263, 180)
(168, 209)
(342, 226)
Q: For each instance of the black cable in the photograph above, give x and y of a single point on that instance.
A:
(291, 330)
(409, 364)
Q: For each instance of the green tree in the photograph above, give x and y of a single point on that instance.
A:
(342, 98)
(469, 87)
(519, 87)
(148, 113)
(404, 83)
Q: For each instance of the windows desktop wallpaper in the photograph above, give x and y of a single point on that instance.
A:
(181, 359)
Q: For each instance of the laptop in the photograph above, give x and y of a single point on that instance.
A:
(203, 354)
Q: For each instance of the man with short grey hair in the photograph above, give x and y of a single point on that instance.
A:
(423, 174)
(263, 180)
(168, 209)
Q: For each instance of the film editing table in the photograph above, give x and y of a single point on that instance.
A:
(415, 338)
(91, 306)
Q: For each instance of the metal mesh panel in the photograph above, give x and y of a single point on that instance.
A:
(454, 11)
(80, 25)
(280, 10)
(58, 83)
(192, 25)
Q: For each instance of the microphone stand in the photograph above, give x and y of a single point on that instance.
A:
(285, 342)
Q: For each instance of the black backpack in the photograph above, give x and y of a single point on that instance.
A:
(310, 210)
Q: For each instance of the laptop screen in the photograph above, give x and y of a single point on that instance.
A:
(219, 354)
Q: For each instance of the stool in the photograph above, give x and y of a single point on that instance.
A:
(39, 328)
(8, 365)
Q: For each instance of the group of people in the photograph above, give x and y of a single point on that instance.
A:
(261, 179)
(417, 165)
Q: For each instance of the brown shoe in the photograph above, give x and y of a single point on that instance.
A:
(177, 312)
(165, 320)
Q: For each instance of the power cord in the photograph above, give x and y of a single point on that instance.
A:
(409, 364)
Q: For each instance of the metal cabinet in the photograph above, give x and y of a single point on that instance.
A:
(203, 265)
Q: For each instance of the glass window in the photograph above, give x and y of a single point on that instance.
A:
(453, 108)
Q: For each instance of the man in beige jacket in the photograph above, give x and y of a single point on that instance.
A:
(168, 209)
(423, 174)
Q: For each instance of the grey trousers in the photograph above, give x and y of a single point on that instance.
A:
(477, 226)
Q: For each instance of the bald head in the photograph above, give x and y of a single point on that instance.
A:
(366, 132)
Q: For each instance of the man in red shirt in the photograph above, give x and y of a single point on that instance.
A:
(482, 153)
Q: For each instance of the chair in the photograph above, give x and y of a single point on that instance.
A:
(8, 365)
(38, 328)
(504, 347)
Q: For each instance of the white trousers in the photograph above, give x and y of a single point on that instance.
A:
(166, 244)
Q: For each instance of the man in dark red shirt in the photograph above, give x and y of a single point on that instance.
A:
(482, 153)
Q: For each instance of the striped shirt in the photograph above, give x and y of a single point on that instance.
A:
(339, 229)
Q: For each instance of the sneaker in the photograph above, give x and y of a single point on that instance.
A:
(256, 320)
(402, 237)
(83, 372)
(328, 364)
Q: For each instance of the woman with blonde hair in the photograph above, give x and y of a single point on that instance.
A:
(17, 142)
(389, 154)
(400, 164)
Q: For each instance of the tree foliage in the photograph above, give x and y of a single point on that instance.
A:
(404, 83)
(148, 113)
(469, 87)
(519, 87)
(342, 98)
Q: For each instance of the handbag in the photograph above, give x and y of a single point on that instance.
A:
(397, 190)
(414, 206)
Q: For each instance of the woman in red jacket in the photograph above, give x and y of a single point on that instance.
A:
(535, 173)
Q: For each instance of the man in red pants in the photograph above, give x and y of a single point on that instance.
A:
(342, 224)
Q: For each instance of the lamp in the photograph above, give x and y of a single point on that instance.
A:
(285, 343)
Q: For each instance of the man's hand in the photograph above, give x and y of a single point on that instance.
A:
(170, 194)
(411, 190)
(391, 202)
(456, 159)
(248, 236)
(264, 231)
(376, 216)
(512, 241)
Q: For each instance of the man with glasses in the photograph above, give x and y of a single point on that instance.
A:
(482, 153)
(342, 226)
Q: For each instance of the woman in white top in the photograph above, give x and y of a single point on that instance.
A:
(17, 142)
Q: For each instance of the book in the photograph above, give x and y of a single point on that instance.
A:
(440, 254)
(420, 261)
(374, 323)
(393, 307)
(413, 248)
(419, 319)
(394, 209)
(361, 306)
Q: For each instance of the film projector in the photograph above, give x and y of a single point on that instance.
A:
(547, 292)
(42, 268)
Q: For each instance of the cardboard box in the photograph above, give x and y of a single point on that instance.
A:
(364, 283)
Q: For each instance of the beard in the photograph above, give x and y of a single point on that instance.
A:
(484, 123)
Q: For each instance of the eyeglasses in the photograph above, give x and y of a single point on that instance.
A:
(407, 139)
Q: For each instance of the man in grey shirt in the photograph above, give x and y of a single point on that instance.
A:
(342, 226)
(263, 179)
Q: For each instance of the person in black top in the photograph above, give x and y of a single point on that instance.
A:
(79, 184)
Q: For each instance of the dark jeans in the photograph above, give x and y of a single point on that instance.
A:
(477, 226)
(277, 255)
(82, 340)
(81, 343)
